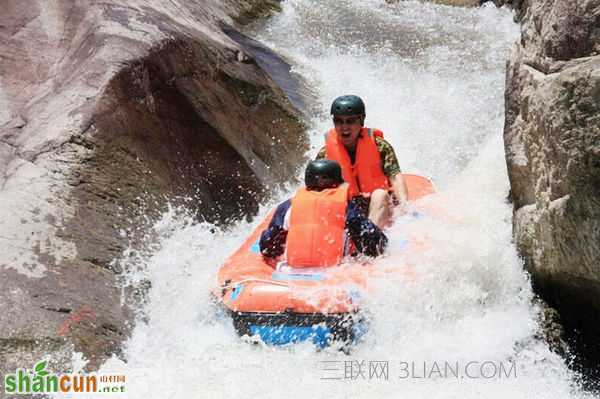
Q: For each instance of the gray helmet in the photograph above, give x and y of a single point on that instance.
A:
(348, 105)
(322, 174)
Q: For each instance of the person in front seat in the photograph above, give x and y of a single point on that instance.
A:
(321, 224)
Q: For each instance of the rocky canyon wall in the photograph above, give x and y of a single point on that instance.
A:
(107, 111)
(552, 142)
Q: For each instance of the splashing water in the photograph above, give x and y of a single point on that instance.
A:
(433, 80)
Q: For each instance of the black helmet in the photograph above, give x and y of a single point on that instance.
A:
(322, 174)
(348, 105)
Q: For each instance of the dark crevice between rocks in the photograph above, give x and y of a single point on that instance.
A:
(57, 310)
(581, 329)
(586, 354)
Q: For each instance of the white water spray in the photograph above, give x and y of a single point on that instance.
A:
(433, 80)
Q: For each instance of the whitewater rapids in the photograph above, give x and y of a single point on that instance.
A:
(432, 78)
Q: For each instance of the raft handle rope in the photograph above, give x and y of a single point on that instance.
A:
(253, 280)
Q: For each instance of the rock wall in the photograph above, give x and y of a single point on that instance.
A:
(552, 142)
(107, 111)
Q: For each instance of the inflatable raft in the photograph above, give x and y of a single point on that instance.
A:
(278, 304)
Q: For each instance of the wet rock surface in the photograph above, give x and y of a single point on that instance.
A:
(108, 111)
(552, 140)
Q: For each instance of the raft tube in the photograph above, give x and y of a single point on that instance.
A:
(280, 305)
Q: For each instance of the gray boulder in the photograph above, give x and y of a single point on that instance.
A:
(552, 142)
(107, 111)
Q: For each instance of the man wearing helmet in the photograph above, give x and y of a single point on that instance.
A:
(320, 225)
(369, 164)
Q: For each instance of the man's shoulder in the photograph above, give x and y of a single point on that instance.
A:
(280, 212)
(284, 206)
(382, 144)
(322, 153)
(389, 162)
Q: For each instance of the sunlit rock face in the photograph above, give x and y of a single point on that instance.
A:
(108, 111)
(552, 140)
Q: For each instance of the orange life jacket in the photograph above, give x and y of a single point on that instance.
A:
(366, 175)
(316, 234)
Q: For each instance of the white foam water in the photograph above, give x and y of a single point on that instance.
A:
(461, 324)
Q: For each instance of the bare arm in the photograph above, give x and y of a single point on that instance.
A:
(391, 168)
(399, 188)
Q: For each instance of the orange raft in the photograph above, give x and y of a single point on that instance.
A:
(283, 305)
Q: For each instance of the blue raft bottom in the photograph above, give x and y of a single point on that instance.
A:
(284, 335)
(321, 336)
